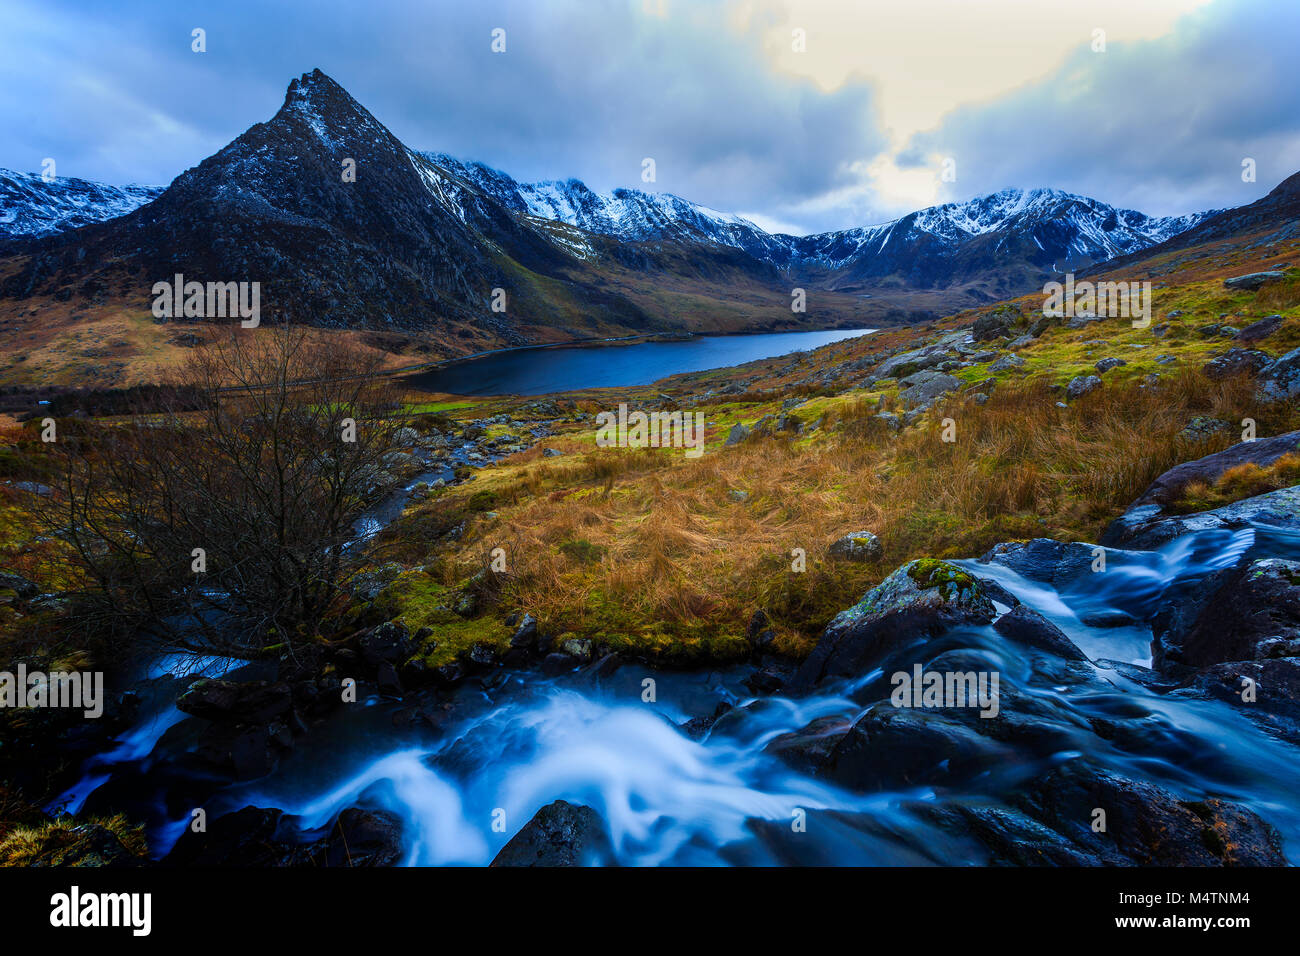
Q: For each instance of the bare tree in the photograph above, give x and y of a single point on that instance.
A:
(224, 530)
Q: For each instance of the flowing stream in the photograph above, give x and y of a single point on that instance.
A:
(591, 737)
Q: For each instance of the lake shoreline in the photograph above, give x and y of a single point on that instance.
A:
(418, 377)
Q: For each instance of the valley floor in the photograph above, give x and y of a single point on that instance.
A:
(863, 468)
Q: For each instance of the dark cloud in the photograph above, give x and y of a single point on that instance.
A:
(113, 92)
(585, 90)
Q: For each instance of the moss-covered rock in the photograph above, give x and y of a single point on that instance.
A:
(921, 599)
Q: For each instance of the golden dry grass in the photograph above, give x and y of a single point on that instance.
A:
(650, 550)
(50, 843)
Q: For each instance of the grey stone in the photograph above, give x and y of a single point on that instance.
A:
(1081, 385)
(1280, 381)
(857, 546)
(1253, 280)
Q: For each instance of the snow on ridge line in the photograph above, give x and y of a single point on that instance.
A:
(32, 207)
(637, 215)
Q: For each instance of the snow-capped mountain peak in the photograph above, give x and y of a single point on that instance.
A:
(31, 206)
(627, 214)
(1062, 229)
(1025, 233)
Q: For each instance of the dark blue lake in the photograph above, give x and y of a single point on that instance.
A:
(562, 369)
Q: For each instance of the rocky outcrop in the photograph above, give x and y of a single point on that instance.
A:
(258, 836)
(1143, 825)
(1147, 527)
(247, 702)
(559, 834)
(892, 748)
(1028, 628)
(1253, 280)
(1147, 524)
(1261, 329)
(1262, 452)
(1044, 560)
(1267, 691)
(1280, 381)
(921, 388)
(737, 434)
(1237, 362)
(920, 599)
(1252, 614)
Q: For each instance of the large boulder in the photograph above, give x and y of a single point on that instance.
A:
(737, 434)
(1261, 329)
(559, 834)
(1148, 825)
(1146, 524)
(240, 702)
(253, 836)
(993, 325)
(1207, 470)
(358, 838)
(1147, 527)
(809, 748)
(1252, 614)
(1266, 691)
(388, 643)
(1051, 824)
(1044, 560)
(1280, 381)
(1025, 626)
(924, 387)
(921, 599)
(906, 363)
(1253, 280)
(892, 747)
(1011, 837)
(1237, 362)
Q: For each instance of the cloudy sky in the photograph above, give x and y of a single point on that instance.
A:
(803, 116)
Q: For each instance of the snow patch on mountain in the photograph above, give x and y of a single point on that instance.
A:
(31, 207)
(1075, 228)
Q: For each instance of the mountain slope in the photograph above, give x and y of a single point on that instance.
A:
(396, 248)
(415, 245)
(998, 245)
(31, 206)
(1045, 230)
(626, 214)
(1267, 221)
